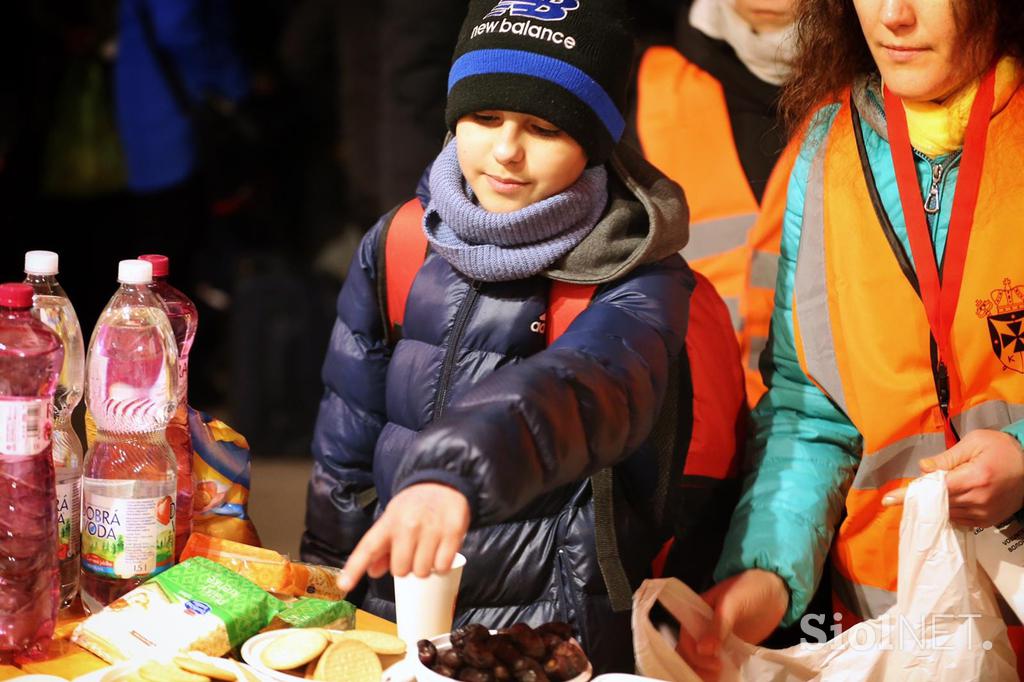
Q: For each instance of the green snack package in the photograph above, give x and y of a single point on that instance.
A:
(197, 605)
(315, 613)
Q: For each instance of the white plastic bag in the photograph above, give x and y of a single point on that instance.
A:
(945, 624)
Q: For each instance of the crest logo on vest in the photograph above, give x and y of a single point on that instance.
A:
(543, 10)
(1005, 315)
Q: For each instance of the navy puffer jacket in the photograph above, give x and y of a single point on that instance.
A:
(471, 397)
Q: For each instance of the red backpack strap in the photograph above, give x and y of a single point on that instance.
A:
(706, 486)
(565, 302)
(719, 390)
(405, 249)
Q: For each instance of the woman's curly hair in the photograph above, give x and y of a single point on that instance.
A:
(832, 52)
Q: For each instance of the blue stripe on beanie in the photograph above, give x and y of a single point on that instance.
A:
(519, 62)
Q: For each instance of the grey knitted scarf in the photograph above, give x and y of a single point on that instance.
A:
(498, 247)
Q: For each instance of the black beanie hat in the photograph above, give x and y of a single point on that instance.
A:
(566, 61)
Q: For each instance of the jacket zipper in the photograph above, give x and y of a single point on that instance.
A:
(931, 204)
(458, 327)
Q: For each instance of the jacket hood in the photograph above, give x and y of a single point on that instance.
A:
(647, 219)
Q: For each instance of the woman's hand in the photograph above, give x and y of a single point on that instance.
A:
(750, 605)
(420, 531)
(985, 481)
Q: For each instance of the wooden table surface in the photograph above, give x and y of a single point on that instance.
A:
(68, 660)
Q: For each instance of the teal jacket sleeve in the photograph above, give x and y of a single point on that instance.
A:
(804, 451)
(1016, 429)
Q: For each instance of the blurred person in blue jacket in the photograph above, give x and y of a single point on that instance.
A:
(159, 137)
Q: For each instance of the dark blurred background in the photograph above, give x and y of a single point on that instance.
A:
(251, 141)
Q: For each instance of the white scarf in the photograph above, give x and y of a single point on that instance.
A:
(768, 55)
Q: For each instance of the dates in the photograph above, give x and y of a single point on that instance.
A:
(451, 658)
(566, 662)
(529, 670)
(475, 675)
(559, 629)
(474, 632)
(551, 640)
(477, 654)
(518, 653)
(427, 652)
(527, 641)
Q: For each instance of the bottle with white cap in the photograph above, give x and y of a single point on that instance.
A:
(52, 307)
(129, 477)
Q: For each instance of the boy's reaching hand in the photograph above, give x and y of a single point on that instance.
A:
(420, 531)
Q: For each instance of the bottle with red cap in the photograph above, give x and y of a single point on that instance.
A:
(184, 318)
(128, 482)
(52, 307)
(31, 356)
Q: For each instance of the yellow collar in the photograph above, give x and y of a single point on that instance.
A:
(937, 129)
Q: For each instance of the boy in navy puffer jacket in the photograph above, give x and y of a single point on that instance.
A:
(470, 433)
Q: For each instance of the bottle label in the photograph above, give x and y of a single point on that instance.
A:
(25, 425)
(127, 537)
(69, 518)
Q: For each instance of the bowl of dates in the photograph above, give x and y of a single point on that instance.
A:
(519, 653)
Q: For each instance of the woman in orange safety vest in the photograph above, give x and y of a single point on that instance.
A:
(897, 343)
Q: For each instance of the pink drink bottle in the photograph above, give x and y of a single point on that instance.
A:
(30, 362)
(52, 307)
(184, 318)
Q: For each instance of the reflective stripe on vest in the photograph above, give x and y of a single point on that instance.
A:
(764, 241)
(712, 237)
(862, 336)
(764, 269)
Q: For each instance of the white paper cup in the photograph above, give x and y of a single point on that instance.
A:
(425, 606)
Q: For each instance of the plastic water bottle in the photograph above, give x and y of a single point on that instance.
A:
(184, 318)
(52, 307)
(128, 483)
(30, 362)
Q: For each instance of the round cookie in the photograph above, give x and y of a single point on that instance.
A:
(199, 667)
(380, 642)
(348, 661)
(294, 649)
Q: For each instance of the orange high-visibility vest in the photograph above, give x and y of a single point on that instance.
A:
(684, 129)
(862, 336)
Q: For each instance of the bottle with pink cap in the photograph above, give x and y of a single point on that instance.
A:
(52, 307)
(30, 362)
(128, 483)
(184, 318)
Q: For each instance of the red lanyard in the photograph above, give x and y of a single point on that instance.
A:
(940, 296)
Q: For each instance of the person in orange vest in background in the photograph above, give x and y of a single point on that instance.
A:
(707, 116)
(897, 342)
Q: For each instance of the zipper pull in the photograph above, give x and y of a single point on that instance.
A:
(942, 380)
(931, 204)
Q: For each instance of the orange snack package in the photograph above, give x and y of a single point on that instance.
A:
(265, 567)
(268, 569)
